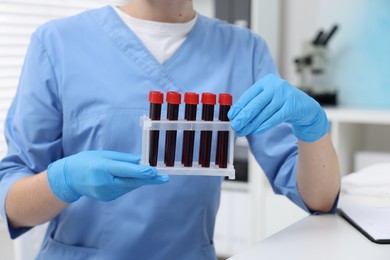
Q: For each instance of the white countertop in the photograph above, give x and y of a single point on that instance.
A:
(320, 237)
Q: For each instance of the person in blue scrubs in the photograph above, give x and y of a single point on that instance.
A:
(74, 137)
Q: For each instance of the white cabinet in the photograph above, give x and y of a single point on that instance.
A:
(6, 245)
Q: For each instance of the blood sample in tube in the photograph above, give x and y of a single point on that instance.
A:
(156, 98)
(191, 100)
(208, 101)
(173, 100)
(225, 101)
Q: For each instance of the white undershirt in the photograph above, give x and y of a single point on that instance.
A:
(161, 39)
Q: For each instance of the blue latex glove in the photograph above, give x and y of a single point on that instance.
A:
(102, 175)
(271, 101)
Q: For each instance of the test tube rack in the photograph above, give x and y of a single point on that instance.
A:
(180, 125)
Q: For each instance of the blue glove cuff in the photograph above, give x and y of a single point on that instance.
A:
(57, 182)
(313, 130)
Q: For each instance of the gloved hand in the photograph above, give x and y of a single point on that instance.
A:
(271, 101)
(102, 175)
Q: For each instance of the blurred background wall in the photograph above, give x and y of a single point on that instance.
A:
(359, 53)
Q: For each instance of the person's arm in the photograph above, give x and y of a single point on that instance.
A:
(33, 132)
(272, 101)
(100, 175)
(31, 202)
(318, 176)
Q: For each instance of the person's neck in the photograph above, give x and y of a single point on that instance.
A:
(166, 11)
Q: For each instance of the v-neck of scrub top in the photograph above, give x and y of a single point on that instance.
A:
(132, 46)
(151, 33)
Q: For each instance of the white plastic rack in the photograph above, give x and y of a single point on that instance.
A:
(180, 125)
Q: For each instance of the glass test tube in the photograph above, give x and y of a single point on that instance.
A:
(208, 101)
(156, 98)
(225, 101)
(173, 100)
(191, 100)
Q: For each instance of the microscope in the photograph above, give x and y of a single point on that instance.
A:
(312, 64)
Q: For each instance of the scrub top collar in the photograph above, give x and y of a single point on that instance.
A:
(133, 48)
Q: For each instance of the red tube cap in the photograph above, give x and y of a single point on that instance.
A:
(173, 97)
(225, 99)
(191, 98)
(156, 97)
(209, 98)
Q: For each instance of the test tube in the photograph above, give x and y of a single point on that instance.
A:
(173, 100)
(208, 101)
(156, 98)
(191, 100)
(225, 101)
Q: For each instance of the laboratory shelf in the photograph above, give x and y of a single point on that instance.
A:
(358, 115)
(356, 130)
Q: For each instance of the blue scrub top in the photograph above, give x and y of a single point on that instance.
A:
(85, 85)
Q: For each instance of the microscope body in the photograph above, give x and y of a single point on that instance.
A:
(311, 66)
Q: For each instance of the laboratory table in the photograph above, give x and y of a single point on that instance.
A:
(327, 237)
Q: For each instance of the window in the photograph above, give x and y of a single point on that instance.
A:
(18, 19)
